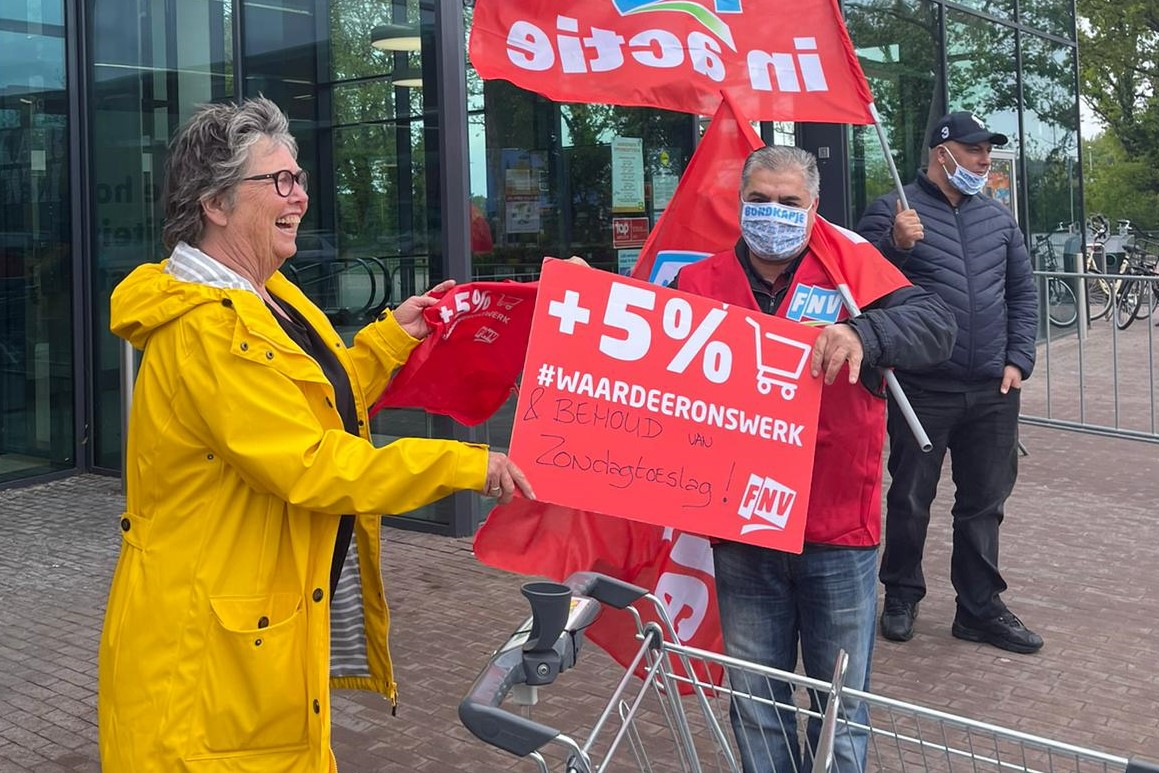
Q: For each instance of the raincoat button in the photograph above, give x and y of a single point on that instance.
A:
(338, 345)
(209, 457)
(226, 302)
(257, 642)
(245, 347)
(125, 524)
(269, 355)
(263, 622)
(361, 422)
(317, 593)
(317, 707)
(382, 317)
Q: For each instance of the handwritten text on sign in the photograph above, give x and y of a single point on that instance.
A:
(652, 404)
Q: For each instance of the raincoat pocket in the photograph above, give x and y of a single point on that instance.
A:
(253, 694)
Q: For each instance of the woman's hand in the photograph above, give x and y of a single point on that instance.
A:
(503, 476)
(409, 313)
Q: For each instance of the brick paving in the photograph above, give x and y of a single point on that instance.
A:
(1078, 553)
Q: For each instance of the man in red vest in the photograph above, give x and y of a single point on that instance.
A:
(823, 600)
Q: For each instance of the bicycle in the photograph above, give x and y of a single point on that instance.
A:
(1130, 293)
(1061, 303)
(1100, 290)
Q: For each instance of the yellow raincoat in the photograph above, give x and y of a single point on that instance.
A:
(216, 647)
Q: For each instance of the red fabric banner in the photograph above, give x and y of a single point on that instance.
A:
(851, 260)
(467, 367)
(793, 63)
(701, 219)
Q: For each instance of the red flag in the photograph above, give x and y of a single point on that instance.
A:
(479, 328)
(539, 538)
(852, 261)
(702, 219)
(795, 63)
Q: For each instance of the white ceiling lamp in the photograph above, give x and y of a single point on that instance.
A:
(395, 37)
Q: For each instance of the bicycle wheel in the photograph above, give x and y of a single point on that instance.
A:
(1062, 307)
(1127, 301)
(1099, 295)
(1146, 300)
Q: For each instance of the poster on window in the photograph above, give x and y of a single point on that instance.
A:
(627, 174)
(1002, 184)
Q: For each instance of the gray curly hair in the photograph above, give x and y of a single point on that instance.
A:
(777, 157)
(208, 157)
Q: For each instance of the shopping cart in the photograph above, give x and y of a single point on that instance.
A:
(792, 357)
(672, 720)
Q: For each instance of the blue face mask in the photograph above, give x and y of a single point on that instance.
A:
(964, 180)
(773, 232)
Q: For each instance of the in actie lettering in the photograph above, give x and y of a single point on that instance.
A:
(529, 47)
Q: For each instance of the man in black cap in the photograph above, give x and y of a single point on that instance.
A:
(967, 248)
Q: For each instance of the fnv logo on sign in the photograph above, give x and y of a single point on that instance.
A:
(769, 501)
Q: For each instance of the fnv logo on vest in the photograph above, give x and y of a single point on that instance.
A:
(769, 501)
(811, 303)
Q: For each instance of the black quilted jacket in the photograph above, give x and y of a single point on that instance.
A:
(974, 257)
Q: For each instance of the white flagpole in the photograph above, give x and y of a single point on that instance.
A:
(891, 381)
(888, 156)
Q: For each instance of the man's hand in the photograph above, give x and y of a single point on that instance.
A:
(837, 345)
(409, 313)
(1011, 378)
(907, 228)
(502, 477)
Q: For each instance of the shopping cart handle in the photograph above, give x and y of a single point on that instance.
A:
(480, 713)
(528, 657)
(604, 589)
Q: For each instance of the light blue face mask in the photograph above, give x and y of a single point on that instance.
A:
(773, 232)
(964, 180)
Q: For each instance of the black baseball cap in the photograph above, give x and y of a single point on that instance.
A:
(965, 127)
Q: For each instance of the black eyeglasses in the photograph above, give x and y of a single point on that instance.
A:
(284, 180)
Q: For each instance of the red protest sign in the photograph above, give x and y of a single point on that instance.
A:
(652, 404)
(629, 231)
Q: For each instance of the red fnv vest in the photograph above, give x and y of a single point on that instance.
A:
(845, 498)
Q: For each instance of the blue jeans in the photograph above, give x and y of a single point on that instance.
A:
(823, 600)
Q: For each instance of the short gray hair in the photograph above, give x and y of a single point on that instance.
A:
(208, 157)
(775, 158)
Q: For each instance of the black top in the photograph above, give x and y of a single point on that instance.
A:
(305, 336)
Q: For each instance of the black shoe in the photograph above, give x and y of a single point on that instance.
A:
(897, 619)
(1004, 632)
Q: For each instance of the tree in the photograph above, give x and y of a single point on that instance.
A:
(1119, 44)
(1113, 183)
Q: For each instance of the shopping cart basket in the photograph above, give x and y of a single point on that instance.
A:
(672, 719)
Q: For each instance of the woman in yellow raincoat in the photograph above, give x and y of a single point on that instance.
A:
(248, 581)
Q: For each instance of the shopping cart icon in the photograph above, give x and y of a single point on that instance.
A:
(780, 364)
(508, 302)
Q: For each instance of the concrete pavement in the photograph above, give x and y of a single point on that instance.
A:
(1078, 552)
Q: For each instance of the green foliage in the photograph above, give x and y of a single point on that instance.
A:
(1119, 68)
(1119, 185)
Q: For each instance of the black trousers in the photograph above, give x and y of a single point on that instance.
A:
(980, 430)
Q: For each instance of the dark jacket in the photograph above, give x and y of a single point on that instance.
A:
(909, 328)
(974, 257)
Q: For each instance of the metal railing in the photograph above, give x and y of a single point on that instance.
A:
(1096, 375)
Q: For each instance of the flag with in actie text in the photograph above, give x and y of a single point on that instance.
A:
(792, 63)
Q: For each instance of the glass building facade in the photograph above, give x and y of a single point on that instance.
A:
(419, 169)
